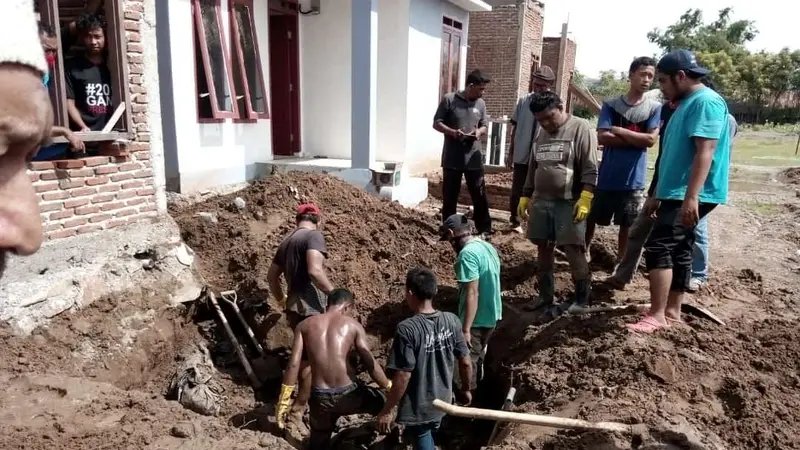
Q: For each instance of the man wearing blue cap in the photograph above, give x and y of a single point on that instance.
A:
(692, 180)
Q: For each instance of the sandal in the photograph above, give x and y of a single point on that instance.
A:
(648, 325)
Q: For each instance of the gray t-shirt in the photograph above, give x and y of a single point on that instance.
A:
(426, 345)
(458, 113)
(303, 298)
(524, 129)
(562, 162)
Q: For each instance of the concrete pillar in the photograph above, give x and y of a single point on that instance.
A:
(393, 79)
(364, 63)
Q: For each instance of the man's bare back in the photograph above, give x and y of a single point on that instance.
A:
(327, 340)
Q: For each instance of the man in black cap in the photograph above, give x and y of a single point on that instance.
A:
(523, 128)
(692, 179)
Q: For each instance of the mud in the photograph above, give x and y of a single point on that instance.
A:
(97, 378)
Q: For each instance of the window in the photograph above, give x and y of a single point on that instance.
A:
(247, 68)
(215, 94)
(61, 16)
(451, 56)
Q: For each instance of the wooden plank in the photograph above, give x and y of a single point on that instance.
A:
(96, 136)
(118, 60)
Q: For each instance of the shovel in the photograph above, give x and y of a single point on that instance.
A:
(534, 419)
(239, 351)
(686, 308)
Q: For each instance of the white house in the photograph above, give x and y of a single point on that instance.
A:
(325, 84)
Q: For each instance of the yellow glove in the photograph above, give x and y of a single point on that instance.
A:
(284, 399)
(388, 387)
(583, 206)
(522, 207)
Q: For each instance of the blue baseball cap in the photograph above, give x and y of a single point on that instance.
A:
(678, 60)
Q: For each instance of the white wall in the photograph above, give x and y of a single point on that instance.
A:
(424, 144)
(325, 90)
(210, 154)
(393, 80)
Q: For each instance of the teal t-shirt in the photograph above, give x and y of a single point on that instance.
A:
(478, 260)
(702, 114)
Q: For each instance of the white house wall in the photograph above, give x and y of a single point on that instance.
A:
(206, 154)
(393, 80)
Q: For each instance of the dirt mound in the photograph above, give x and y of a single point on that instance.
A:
(791, 175)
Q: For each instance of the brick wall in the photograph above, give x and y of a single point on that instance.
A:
(550, 55)
(85, 195)
(532, 28)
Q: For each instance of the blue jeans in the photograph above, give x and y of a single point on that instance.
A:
(700, 250)
(421, 436)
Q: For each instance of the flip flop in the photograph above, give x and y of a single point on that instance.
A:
(648, 325)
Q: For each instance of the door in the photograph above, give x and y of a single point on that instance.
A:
(284, 81)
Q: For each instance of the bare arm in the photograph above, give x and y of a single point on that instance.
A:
(609, 139)
(375, 370)
(445, 130)
(274, 280)
(290, 376)
(636, 139)
(465, 370)
(316, 270)
(74, 114)
(700, 165)
(470, 306)
(400, 381)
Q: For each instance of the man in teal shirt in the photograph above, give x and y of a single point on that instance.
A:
(692, 180)
(477, 270)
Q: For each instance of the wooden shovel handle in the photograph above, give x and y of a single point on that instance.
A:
(529, 419)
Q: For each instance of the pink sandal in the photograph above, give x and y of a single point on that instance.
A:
(648, 325)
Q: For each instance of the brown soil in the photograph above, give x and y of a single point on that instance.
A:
(696, 386)
(791, 176)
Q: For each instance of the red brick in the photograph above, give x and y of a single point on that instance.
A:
(133, 15)
(132, 184)
(140, 98)
(131, 6)
(125, 212)
(142, 156)
(46, 187)
(84, 210)
(115, 223)
(139, 146)
(65, 214)
(135, 201)
(121, 177)
(96, 181)
(112, 206)
(147, 173)
(135, 58)
(47, 207)
(61, 234)
(147, 164)
(138, 108)
(135, 47)
(76, 222)
(89, 229)
(135, 79)
(33, 176)
(99, 218)
(106, 170)
(129, 167)
(70, 164)
(109, 188)
(77, 173)
(146, 191)
(72, 184)
(41, 165)
(60, 195)
(131, 25)
(147, 208)
(143, 137)
(134, 36)
(124, 195)
(52, 227)
(95, 161)
(76, 202)
(82, 192)
(101, 198)
(50, 175)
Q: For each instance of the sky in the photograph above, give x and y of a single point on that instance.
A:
(609, 37)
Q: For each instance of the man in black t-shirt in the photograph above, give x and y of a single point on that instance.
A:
(88, 78)
(423, 357)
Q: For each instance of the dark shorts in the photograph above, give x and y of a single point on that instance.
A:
(670, 244)
(621, 206)
(552, 221)
(294, 318)
(478, 346)
(326, 406)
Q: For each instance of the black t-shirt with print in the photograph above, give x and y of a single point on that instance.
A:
(90, 86)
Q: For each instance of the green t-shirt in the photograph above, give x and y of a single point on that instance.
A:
(478, 260)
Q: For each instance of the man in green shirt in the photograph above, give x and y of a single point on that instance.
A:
(477, 271)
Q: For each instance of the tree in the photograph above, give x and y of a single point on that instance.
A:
(691, 33)
(609, 84)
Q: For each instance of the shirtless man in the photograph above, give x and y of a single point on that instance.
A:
(327, 340)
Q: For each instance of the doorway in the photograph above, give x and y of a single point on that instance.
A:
(284, 77)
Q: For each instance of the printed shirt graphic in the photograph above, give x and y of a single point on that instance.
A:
(478, 260)
(426, 345)
(703, 114)
(625, 168)
(90, 86)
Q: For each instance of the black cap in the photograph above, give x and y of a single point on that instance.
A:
(678, 60)
(454, 222)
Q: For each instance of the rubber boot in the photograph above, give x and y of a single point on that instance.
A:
(583, 289)
(547, 290)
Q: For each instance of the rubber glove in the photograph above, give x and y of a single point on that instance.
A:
(388, 387)
(522, 207)
(284, 399)
(583, 206)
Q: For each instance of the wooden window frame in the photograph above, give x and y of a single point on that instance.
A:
(199, 33)
(116, 43)
(238, 52)
(452, 28)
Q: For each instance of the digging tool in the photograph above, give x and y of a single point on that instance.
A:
(507, 404)
(699, 311)
(686, 308)
(231, 299)
(239, 351)
(534, 419)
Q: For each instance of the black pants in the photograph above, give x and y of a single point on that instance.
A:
(670, 244)
(476, 184)
(517, 183)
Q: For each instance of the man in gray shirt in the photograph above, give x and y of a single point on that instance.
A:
(523, 127)
(461, 117)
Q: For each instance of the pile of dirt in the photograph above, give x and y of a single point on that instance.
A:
(791, 175)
